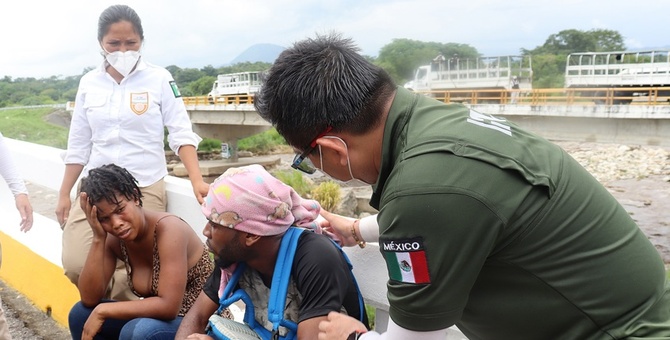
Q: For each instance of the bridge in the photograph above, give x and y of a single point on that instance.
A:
(589, 115)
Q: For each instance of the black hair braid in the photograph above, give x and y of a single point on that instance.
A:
(107, 181)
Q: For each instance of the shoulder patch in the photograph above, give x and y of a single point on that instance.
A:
(406, 260)
(175, 89)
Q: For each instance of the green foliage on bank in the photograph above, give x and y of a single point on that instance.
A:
(30, 125)
(327, 194)
(261, 143)
(295, 180)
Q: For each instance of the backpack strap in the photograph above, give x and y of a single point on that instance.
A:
(361, 302)
(280, 280)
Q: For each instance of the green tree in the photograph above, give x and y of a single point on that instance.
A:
(202, 86)
(402, 57)
(549, 59)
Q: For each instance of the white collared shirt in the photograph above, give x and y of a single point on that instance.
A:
(123, 123)
(9, 171)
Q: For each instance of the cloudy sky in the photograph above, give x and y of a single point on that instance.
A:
(43, 38)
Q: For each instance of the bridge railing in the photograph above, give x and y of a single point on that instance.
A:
(561, 96)
(226, 100)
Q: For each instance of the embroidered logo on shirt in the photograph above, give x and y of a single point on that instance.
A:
(175, 89)
(139, 102)
(406, 260)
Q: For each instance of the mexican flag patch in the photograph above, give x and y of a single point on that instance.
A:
(175, 89)
(406, 260)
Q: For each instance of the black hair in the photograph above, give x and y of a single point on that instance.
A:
(107, 181)
(323, 82)
(117, 13)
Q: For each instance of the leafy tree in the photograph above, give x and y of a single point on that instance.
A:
(52, 93)
(549, 59)
(209, 70)
(202, 86)
(402, 57)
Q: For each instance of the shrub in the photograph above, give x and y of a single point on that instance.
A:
(209, 145)
(327, 194)
(295, 180)
(261, 143)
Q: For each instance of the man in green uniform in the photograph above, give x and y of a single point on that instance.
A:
(482, 224)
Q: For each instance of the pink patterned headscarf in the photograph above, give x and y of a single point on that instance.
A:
(250, 199)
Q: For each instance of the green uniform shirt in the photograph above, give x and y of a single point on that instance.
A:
(501, 232)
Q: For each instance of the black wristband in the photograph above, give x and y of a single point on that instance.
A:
(354, 335)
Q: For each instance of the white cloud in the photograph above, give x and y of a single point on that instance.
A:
(43, 38)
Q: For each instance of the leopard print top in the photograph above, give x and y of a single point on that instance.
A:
(196, 275)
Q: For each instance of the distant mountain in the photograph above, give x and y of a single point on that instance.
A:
(260, 52)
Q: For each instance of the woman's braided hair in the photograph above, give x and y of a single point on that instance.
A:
(107, 181)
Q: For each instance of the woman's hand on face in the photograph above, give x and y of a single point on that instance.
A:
(91, 212)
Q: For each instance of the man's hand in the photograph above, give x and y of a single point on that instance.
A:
(200, 190)
(63, 210)
(26, 211)
(340, 226)
(339, 326)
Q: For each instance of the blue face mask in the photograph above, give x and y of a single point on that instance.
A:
(353, 182)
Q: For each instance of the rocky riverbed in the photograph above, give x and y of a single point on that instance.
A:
(638, 176)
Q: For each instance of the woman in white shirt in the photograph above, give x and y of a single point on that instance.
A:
(120, 113)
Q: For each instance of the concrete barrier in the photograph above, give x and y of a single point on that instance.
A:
(32, 261)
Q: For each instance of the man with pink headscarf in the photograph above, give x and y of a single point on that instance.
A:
(248, 211)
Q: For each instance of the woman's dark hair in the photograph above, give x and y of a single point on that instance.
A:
(109, 180)
(116, 13)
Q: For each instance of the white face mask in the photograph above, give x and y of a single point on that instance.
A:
(123, 62)
(353, 182)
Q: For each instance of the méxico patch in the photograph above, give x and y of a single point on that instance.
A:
(175, 89)
(406, 260)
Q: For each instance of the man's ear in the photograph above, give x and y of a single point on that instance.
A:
(250, 239)
(336, 146)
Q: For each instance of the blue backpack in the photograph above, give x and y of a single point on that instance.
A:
(225, 329)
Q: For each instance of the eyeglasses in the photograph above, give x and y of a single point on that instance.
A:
(302, 162)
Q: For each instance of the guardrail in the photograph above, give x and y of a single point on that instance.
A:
(226, 100)
(561, 96)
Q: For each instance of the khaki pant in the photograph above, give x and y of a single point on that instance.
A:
(77, 238)
(4, 327)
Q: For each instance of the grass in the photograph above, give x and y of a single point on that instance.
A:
(30, 125)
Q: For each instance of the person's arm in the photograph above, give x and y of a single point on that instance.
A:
(25, 210)
(338, 326)
(195, 321)
(72, 172)
(10, 173)
(366, 229)
(76, 156)
(181, 138)
(309, 329)
(189, 156)
(100, 261)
